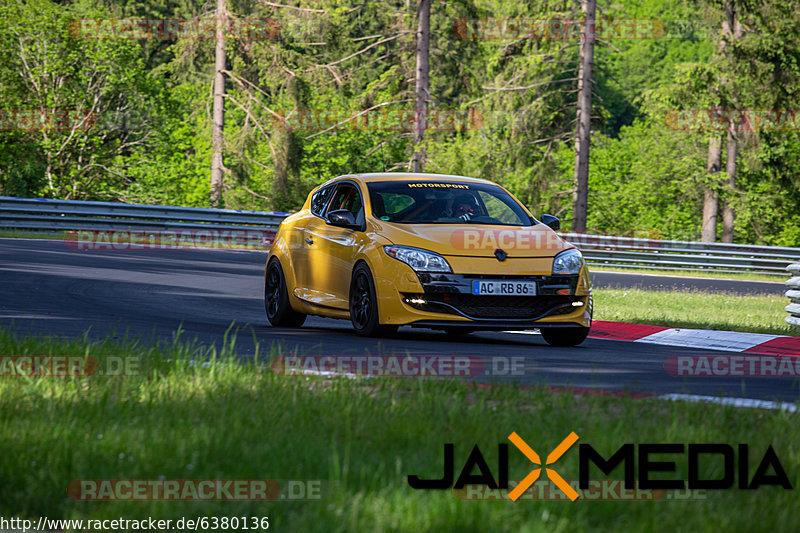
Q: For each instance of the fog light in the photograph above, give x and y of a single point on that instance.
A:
(417, 301)
(577, 304)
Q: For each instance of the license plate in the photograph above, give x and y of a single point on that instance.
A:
(504, 288)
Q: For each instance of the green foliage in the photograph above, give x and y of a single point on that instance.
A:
(152, 100)
(634, 182)
(175, 166)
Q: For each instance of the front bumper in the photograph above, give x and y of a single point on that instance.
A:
(447, 300)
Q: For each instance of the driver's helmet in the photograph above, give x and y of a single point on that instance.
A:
(465, 204)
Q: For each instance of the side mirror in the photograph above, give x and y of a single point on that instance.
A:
(342, 218)
(553, 222)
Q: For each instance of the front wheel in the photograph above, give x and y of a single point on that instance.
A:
(276, 299)
(569, 336)
(364, 305)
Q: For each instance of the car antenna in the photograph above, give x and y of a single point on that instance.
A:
(383, 157)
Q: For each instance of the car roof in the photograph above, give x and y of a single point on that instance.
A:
(405, 176)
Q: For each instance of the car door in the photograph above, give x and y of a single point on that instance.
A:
(333, 249)
(301, 249)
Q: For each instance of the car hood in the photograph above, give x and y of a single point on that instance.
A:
(476, 240)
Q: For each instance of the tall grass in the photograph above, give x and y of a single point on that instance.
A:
(196, 412)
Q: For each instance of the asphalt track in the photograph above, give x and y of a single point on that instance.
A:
(46, 288)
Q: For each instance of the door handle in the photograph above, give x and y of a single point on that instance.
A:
(309, 241)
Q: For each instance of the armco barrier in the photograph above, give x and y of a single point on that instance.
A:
(56, 215)
(794, 295)
(628, 252)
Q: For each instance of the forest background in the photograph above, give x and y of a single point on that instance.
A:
(316, 89)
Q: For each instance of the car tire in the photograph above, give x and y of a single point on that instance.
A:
(364, 305)
(569, 336)
(276, 299)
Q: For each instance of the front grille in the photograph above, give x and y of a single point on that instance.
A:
(454, 283)
(498, 307)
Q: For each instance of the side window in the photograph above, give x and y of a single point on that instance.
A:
(347, 197)
(320, 199)
(498, 209)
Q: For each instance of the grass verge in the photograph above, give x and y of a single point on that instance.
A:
(237, 420)
(31, 234)
(694, 274)
(692, 309)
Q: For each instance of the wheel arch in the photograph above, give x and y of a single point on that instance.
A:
(288, 276)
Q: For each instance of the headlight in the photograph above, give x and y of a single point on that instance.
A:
(568, 262)
(419, 260)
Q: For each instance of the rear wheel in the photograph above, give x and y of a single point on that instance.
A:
(569, 336)
(364, 305)
(276, 299)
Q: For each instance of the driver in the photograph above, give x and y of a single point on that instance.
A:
(465, 206)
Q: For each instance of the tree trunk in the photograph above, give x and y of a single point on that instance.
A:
(422, 82)
(730, 169)
(711, 201)
(580, 191)
(219, 111)
(735, 31)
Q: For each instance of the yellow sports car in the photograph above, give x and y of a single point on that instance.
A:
(426, 250)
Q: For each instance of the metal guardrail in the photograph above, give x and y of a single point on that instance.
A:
(794, 295)
(628, 252)
(55, 215)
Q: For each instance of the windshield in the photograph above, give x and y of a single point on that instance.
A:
(429, 202)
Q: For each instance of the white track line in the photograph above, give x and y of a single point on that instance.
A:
(732, 341)
(736, 402)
